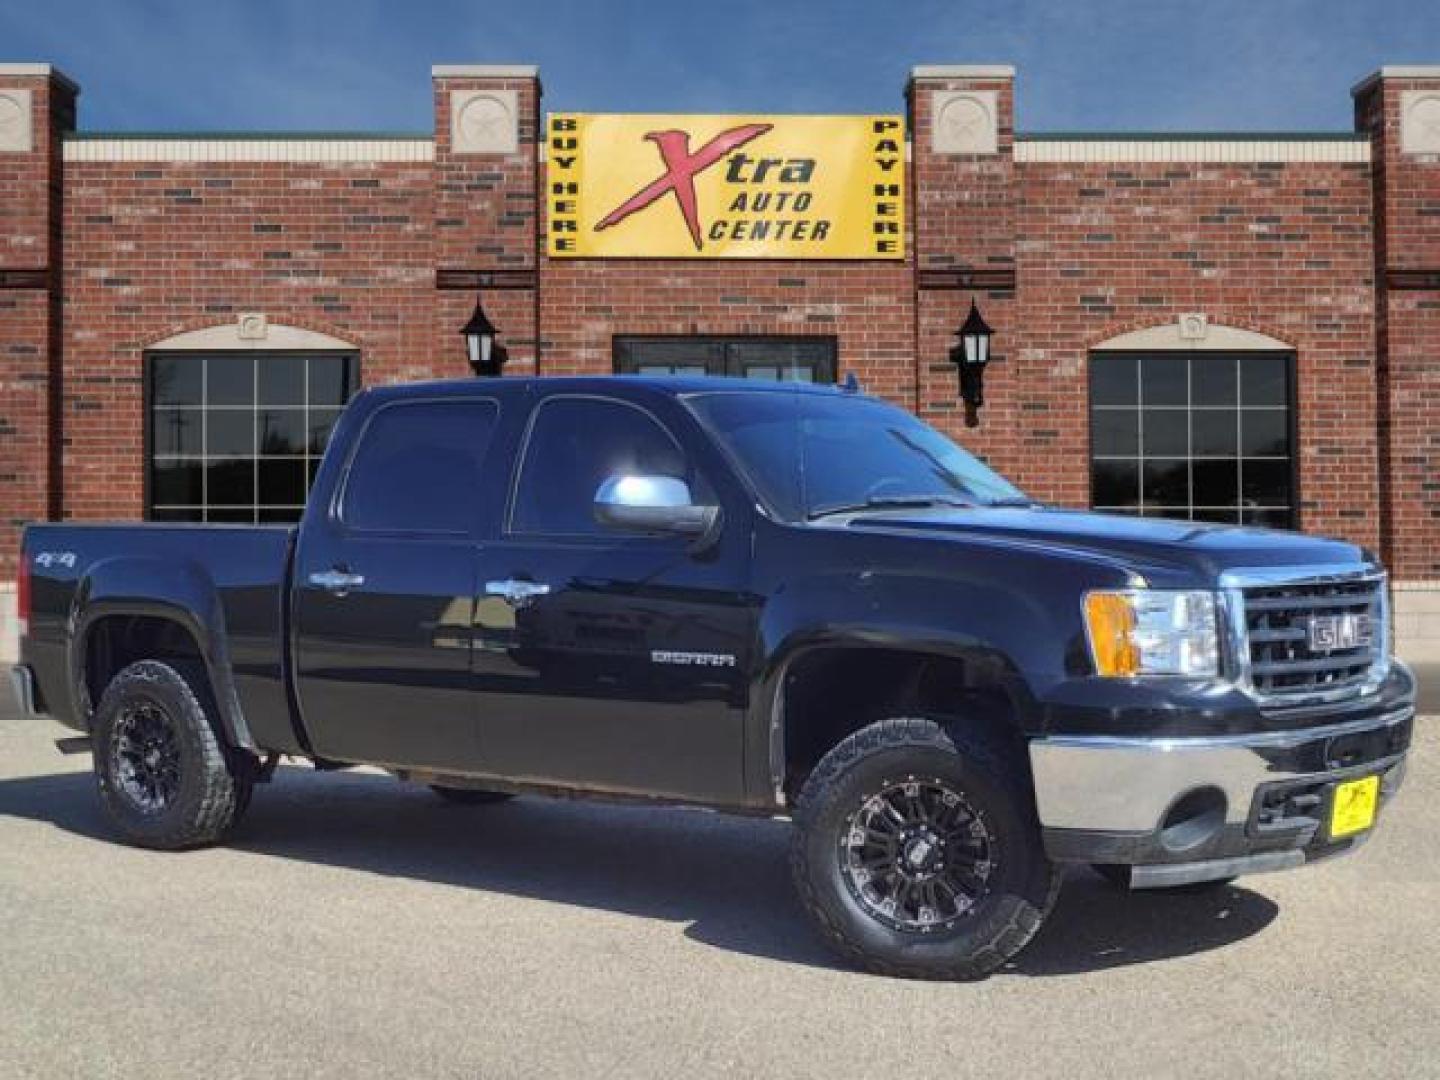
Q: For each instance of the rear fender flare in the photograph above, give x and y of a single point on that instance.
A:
(182, 593)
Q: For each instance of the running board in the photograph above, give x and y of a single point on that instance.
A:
(74, 744)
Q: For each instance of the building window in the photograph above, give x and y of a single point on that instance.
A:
(239, 437)
(1203, 436)
(792, 359)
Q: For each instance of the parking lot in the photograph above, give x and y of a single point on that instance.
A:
(359, 927)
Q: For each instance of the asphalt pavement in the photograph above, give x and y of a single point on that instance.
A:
(357, 927)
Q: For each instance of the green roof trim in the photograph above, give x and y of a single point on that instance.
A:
(1191, 136)
(250, 136)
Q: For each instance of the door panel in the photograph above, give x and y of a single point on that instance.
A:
(626, 667)
(385, 590)
(384, 670)
(629, 674)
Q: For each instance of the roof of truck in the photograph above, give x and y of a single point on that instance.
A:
(665, 384)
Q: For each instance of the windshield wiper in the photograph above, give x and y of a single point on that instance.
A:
(887, 502)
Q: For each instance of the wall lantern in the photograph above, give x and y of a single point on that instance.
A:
(486, 355)
(970, 356)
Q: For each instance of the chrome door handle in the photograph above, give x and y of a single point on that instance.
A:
(516, 593)
(336, 581)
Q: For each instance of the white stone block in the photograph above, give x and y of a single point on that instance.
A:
(484, 122)
(965, 122)
(17, 128)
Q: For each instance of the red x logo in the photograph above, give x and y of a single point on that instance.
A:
(681, 168)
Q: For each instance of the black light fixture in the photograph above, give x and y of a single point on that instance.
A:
(486, 355)
(970, 356)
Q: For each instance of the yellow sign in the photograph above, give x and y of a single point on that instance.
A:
(726, 187)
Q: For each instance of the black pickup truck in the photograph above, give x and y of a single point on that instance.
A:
(775, 600)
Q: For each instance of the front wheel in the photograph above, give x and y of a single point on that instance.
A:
(917, 852)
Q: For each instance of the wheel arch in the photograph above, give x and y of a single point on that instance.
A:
(174, 608)
(877, 674)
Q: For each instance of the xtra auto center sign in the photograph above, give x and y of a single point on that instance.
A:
(730, 187)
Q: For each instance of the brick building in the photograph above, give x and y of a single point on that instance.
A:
(1224, 327)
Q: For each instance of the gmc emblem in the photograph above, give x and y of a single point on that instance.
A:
(1331, 632)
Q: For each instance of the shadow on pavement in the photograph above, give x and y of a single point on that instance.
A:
(724, 877)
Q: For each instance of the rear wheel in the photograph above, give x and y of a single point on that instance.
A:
(164, 776)
(470, 796)
(917, 852)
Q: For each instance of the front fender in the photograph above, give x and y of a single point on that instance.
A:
(1010, 635)
(181, 592)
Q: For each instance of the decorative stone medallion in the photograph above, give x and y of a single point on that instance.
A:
(252, 326)
(1194, 326)
(484, 122)
(16, 135)
(1420, 121)
(965, 122)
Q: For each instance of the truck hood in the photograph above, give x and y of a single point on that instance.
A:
(1156, 547)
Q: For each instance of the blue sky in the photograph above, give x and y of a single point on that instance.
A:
(364, 64)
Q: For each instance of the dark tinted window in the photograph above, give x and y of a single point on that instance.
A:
(1204, 436)
(575, 444)
(418, 467)
(771, 359)
(237, 438)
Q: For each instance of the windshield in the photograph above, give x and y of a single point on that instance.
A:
(814, 454)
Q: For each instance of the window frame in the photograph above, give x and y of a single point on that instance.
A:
(336, 509)
(601, 538)
(148, 408)
(826, 371)
(1292, 428)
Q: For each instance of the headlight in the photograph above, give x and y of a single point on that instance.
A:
(1152, 632)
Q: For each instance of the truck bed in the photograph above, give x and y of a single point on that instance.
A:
(225, 582)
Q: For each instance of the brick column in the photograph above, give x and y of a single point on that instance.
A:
(486, 206)
(963, 206)
(1400, 108)
(37, 105)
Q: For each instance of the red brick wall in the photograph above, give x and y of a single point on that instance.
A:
(30, 195)
(1407, 206)
(1280, 249)
(156, 248)
(1101, 249)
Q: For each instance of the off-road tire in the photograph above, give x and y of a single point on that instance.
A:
(993, 781)
(470, 796)
(1118, 875)
(212, 788)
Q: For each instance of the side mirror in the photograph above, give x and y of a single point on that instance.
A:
(652, 504)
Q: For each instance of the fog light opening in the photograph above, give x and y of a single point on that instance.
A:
(1194, 818)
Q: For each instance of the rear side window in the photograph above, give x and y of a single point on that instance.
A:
(418, 467)
(574, 445)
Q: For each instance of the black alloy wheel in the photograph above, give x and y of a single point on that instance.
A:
(918, 856)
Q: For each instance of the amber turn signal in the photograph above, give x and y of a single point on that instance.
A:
(1110, 619)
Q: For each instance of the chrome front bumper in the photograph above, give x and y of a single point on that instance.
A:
(1108, 798)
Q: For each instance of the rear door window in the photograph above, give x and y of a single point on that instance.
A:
(418, 467)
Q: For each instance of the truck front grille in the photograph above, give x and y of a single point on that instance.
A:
(1323, 636)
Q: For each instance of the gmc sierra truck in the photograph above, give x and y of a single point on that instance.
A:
(764, 599)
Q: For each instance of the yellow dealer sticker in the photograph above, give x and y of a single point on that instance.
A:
(1354, 807)
(725, 187)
